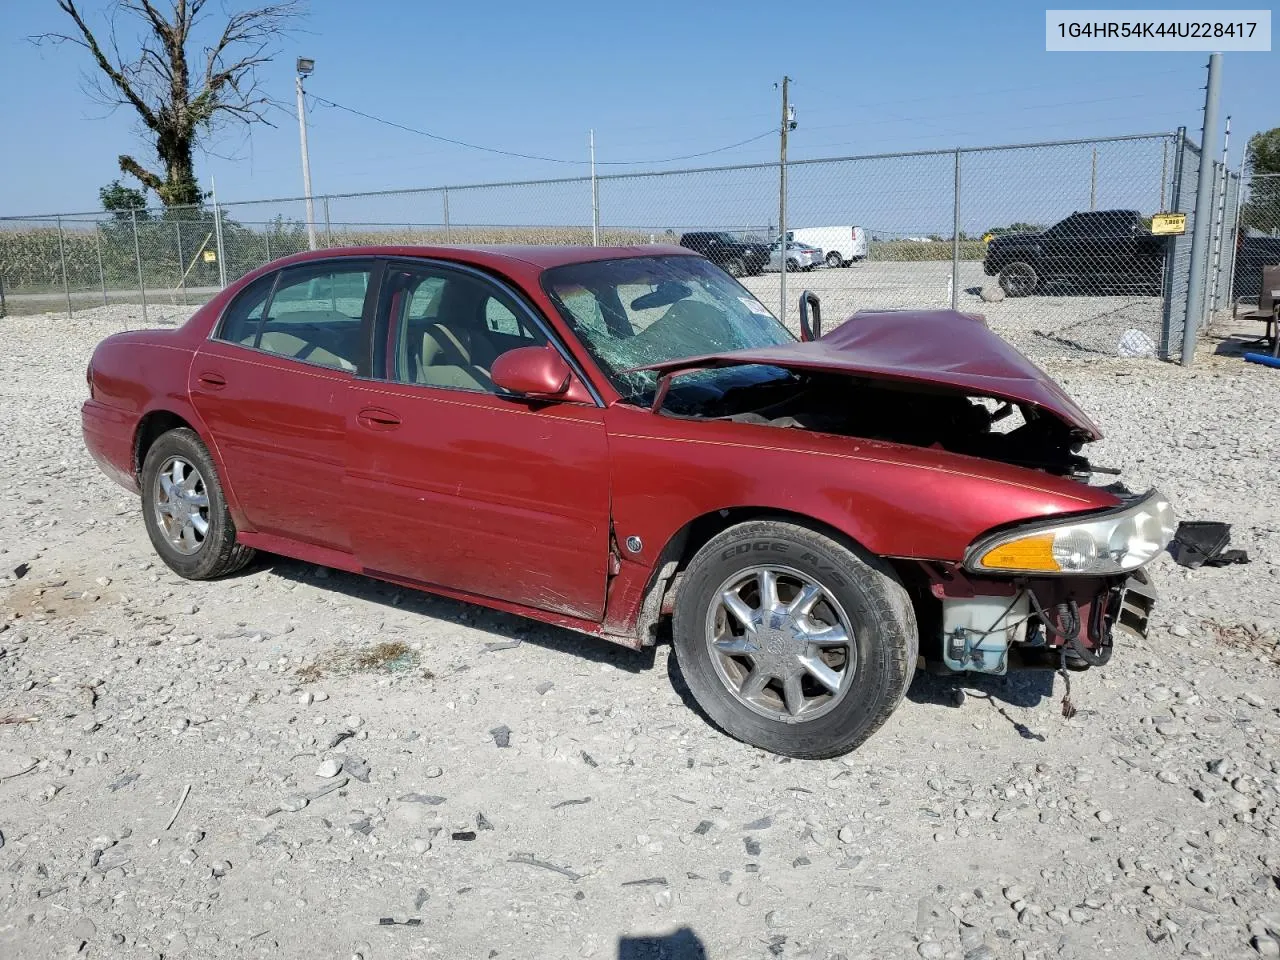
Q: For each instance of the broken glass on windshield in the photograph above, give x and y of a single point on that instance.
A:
(639, 311)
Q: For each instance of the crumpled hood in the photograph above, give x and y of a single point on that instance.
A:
(943, 348)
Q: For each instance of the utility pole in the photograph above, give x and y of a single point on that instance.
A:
(1222, 212)
(1204, 211)
(788, 124)
(595, 195)
(305, 66)
(1093, 182)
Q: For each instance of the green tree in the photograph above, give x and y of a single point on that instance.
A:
(1263, 152)
(121, 201)
(1262, 156)
(181, 88)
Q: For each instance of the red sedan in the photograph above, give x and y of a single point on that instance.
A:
(614, 439)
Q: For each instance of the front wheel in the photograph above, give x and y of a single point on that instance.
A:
(1019, 279)
(735, 268)
(185, 512)
(794, 642)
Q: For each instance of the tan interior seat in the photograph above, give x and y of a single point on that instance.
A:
(454, 355)
(288, 345)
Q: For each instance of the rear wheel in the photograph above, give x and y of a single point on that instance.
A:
(792, 641)
(834, 259)
(1019, 279)
(792, 265)
(185, 512)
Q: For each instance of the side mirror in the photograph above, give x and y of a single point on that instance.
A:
(539, 373)
(810, 330)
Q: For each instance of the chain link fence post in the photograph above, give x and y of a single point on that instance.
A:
(102, 273)
(1214, 226)
(1204, 212)
(1164, 174)
(62, 260)
(1171, 254)
(1236, 238)
(221, 253)
(137, 258)
(955, 238)
(182, 264)
(595, 196)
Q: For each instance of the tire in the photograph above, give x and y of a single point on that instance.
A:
(718, 656)
(204, 555)
(1019, 279)
(835, 260)
(735, 268)
(792, 265)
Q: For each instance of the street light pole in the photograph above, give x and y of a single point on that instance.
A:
(305, 66)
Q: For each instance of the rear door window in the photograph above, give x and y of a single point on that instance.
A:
(311, 313)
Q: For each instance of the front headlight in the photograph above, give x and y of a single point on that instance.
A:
(1099, 545)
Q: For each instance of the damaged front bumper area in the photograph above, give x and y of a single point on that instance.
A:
(994, 626)
(1049, 593)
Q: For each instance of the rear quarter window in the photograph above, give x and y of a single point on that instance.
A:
(243, 317)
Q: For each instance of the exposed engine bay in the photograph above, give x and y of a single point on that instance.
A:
(908, 413)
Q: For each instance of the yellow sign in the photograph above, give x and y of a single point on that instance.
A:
(211, 256)
(1165, 223)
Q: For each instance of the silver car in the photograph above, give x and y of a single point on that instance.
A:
(800, 256)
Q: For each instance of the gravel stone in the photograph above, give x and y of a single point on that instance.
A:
(329, 768)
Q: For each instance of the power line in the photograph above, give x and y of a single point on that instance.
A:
(530, 156)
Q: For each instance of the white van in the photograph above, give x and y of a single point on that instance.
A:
(843, 245)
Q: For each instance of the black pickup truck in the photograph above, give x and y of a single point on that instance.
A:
(1093, 252)
(735, 257)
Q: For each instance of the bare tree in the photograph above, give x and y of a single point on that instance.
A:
(178, 110)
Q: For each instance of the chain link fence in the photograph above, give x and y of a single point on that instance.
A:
(1258, 242)
(1050, 240)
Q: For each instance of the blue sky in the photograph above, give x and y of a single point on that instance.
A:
(655, 80)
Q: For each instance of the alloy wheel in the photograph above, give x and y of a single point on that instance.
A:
(181, 504)
(781, 643)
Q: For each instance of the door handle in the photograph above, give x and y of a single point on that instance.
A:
(214, 381)
(375, 418)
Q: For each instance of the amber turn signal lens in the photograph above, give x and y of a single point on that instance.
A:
(1028, 553)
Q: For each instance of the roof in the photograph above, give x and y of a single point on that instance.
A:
(542, 257)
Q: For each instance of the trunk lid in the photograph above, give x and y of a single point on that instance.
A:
(942, 348)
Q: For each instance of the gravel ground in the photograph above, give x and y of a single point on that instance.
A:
(277, 763)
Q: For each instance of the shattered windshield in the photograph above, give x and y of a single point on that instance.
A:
(644, 310)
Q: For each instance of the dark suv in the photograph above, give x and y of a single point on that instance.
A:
(737, 257)
(1092, 251)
